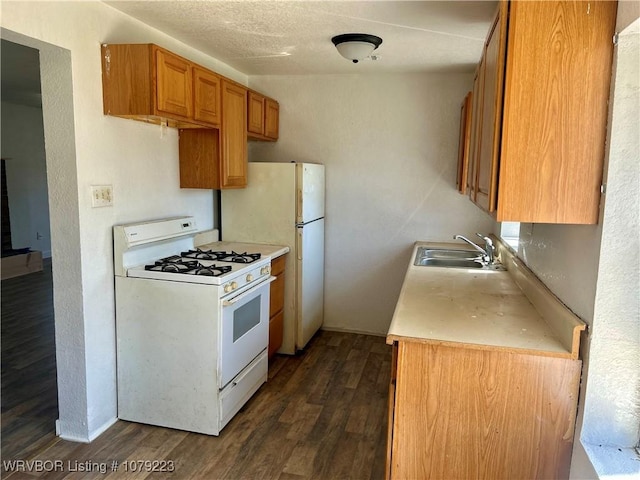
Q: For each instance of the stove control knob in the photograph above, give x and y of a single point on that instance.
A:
(227, 288)
(234, 285)
(249, 277)
(264, 270)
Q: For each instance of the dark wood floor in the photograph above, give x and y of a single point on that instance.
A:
(29, 388)
(321, 415)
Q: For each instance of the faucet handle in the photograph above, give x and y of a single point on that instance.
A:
(486, 239)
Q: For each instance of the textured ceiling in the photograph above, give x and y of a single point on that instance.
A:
(280, 37)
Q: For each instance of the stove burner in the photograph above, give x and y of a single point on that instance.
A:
(238, 257)
(212, 271)
(200, 254)
(222, 256)
(172, 258)
(176, 264)
(173, 264)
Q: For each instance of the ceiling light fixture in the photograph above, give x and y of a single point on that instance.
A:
(356, 46)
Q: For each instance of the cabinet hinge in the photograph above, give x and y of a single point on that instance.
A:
(616, 37)
(603, 188)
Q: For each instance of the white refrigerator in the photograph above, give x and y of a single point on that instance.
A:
(283, 204)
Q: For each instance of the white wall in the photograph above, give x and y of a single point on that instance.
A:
(141, 163)
(389, 143)
(23, 146)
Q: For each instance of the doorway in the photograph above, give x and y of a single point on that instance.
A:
(56, 85)
(29, 379)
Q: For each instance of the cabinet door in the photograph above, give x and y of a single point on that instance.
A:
(491, 115)
(233, 169)
(468, 413)
(199, 153)
(272, 119)
(276, 328)
(476, 129)
(276, 305)
(558, 73)
(206, 93)
(173, 84)
(392, 409)
(276, 298)
(463, 144)
(255, 120)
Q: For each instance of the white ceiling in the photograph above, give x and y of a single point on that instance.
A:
(254, 35)
(281, 37)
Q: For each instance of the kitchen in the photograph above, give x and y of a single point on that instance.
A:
(393, 143)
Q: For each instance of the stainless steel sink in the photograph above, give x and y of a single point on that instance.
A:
(449, 262)
(447, 254)
(452, 258)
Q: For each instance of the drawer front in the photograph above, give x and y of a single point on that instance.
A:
(242, 387)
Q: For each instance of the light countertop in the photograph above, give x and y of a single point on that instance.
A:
(477, 309)
(273, 251)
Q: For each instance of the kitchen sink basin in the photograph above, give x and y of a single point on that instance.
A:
(453, 258)
(436, 253)
(450, 262)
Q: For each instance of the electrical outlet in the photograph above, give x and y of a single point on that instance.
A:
(101, 196)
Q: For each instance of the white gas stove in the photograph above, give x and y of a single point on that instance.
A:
(192, 326)
(140, 250)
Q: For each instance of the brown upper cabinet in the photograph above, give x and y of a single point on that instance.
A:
(146, 82)
(262, 117)
(272, 119)
(234, 135)
(463, 143)
(539, 117)
(206, 96)
(255, 113)
(217, 158)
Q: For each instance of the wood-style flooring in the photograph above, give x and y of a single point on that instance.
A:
(29, 388)
(321, 415)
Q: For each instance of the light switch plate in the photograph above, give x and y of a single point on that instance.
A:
(101, 196)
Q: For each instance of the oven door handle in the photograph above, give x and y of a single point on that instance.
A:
(228, 303)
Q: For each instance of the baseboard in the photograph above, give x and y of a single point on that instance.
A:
(96, 433)
(92, 436)
(349, 330)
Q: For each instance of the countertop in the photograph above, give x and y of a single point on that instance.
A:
(478, 309)
(273, 251)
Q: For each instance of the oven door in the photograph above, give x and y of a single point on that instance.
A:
(245, 330)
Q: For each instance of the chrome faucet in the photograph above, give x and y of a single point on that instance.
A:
(488, 250)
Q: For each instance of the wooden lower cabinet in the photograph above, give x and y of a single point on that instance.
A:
(276, 305)
(458, 412)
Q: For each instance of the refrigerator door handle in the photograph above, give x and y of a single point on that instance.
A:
(299, 245)
(299, 212)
